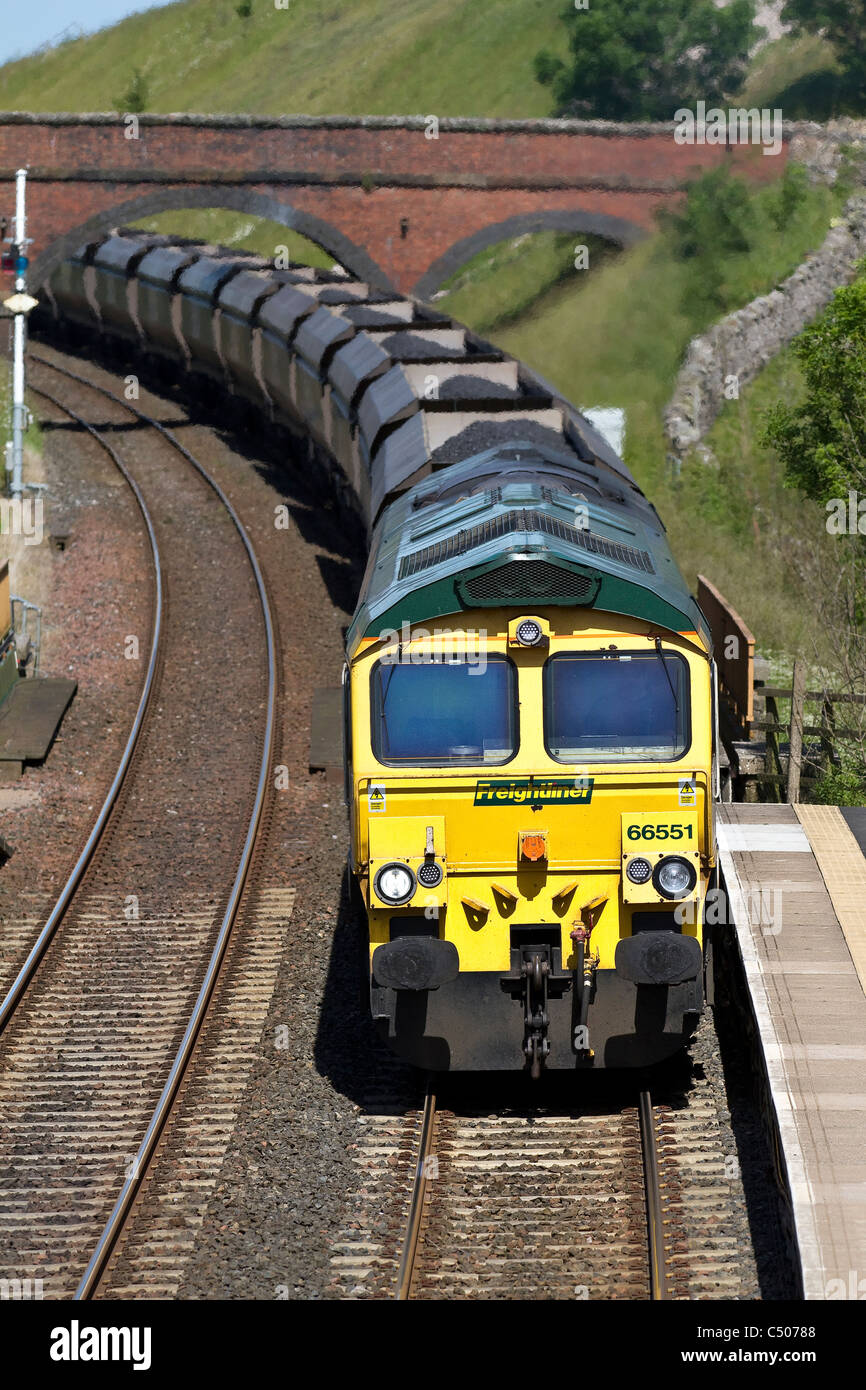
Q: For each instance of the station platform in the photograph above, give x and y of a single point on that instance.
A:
(795, 878)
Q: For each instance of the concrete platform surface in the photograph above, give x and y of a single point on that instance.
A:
(796, 883)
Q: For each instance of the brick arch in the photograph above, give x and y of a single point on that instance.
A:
(345, 251)
(577, 220)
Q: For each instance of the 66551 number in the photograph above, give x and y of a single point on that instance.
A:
(659, 832)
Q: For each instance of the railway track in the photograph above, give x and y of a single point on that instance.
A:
(100, 1024)
(586, 1194)
(612, 1195)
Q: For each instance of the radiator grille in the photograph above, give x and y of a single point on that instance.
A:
(530, 581)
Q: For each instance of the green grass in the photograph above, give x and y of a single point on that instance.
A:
(500, 284)
(614, 335)
(615, 340)
(787, 71)
(224, 228)
(845, 785)
(769, 551)
(756, 539)
(317, 57)
(352, 57)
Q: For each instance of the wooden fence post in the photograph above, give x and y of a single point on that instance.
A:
(828, 725)
(795, 746)
(772, 754)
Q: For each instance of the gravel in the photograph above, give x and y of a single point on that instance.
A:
(405, 346)
(483, 435)
(476, 388)
(287, 1171)
(365, 317)
(91, 599)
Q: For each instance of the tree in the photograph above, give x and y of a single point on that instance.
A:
(136, 95)
(843, 24)
(822, 441)
(644, 59)
(719, 224)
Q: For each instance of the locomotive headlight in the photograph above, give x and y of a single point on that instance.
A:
(394, 884)
(674, 877)
(638, 870)
(529, 633)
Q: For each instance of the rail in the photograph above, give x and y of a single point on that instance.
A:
(416, 1202)
(653, 1185)
(28, 969)
(147, 1147)
(654, 1203)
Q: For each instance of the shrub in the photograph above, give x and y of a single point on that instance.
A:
(137, 94)
(844, 785)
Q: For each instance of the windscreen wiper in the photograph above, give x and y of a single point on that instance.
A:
(386, 684)
(660, 655)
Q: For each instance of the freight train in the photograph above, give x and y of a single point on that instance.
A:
(529, 690)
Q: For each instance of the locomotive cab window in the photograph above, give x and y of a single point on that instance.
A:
(440, 713)
(616, 706)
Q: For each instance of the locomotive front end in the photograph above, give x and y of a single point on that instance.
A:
(533, 836)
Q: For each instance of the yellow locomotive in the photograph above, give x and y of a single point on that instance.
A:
(530, 726)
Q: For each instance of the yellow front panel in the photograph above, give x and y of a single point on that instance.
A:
(652, 837)
(583, 809)
(405, 839)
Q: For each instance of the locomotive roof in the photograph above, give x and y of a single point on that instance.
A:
(516, 528)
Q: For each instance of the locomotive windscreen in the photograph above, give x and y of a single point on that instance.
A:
(443, 712)
(627, 706)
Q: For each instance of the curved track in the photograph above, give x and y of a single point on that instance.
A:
(28, 968)
(104, 1014)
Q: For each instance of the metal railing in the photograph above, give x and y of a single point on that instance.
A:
(21, 625)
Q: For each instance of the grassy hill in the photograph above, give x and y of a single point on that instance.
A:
(349, 57)
(320, 57)
(225, 228)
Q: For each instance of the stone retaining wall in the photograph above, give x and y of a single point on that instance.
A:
(743, 342)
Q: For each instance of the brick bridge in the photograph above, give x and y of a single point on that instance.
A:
(381, 196)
